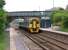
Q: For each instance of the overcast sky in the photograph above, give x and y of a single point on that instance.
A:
(33, 5)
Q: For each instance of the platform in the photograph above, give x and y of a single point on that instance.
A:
(51, 30)
(20, 42)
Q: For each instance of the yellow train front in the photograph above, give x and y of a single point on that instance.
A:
(34, 25)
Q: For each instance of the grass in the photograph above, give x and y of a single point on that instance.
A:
(2, 46)
(64, 29)
(2, 42)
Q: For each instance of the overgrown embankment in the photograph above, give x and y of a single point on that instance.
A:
(2, 26)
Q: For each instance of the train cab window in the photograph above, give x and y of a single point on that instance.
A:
(34, 20)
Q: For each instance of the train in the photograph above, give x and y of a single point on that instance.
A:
(31, 24)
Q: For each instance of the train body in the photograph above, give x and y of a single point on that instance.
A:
(31, 24)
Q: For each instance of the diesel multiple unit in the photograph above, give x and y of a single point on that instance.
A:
(31, 24)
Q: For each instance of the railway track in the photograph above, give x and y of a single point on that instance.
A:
(48, 40)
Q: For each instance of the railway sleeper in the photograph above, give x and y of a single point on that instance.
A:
(49, 45)
(35, 41)
(59, 37)
(44, 45)
(54, 42)
(55, 38)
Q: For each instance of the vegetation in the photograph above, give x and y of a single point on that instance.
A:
(2, 25)
(64, 29)
(60, 18)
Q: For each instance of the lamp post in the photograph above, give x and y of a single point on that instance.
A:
(53, 3)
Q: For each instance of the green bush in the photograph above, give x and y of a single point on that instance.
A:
(56, 17)
(2, 20)
(60, 17)
(65, 22)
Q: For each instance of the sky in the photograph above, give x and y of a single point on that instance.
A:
(33, 5)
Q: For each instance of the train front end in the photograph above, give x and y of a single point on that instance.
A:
(34, 25)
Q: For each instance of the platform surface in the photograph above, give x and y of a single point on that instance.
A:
(20, 42)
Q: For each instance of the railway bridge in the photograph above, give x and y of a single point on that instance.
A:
(27, 14)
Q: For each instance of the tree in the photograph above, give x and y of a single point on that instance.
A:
(60, 17)
(57, 15)
(2, 16)
(65, 22)
(2, 3)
